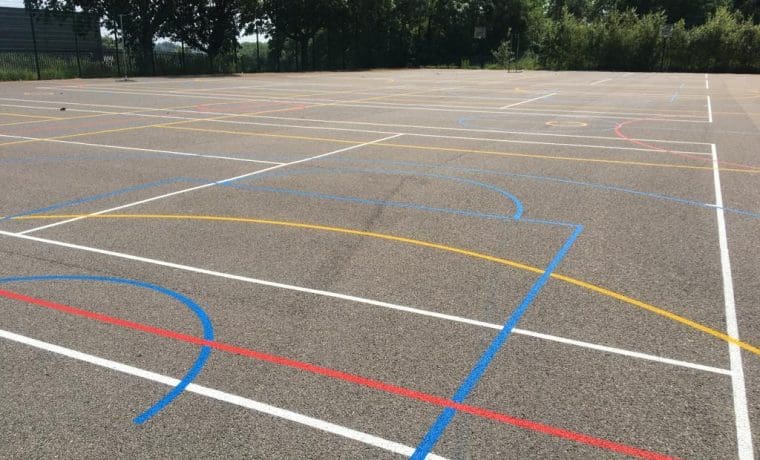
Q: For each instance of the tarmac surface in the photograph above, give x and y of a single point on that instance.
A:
(458, 264)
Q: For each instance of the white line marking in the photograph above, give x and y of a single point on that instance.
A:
(330, 128)
(600, 82)
(316, 120)
(529, 100)
(743, 428)
(709, 110)
(365, 301)
(137, 149)
(200, 187)
(707, 83)
(316, 103)
(236, 400)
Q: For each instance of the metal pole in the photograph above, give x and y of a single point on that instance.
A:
(76, 47)
(258, 62)
(118, 59)
(34, 42)
(123, 44)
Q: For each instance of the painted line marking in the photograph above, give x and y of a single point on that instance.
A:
(138, 149)
(520, 266)
(363, 131)
(208, 329)
(481, 366)
(200, 187)
(743, 428)
(709, 110)
(379, 105)
(229, 398)
(529, 100)
(343, 376)
(358, 123)
(598, 82)
(463, 150)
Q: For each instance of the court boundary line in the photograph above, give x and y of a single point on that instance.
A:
(379, 105)
(256, 406)
(315, 120)
(738, 386)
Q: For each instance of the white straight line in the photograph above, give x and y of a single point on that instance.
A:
(529, 100)
(743, 428)
(600, 81)
(137, 149)
(707, 83)
(200, 187)
(236, 400)
(709, 110)
(316, 120)
(376, 303)
(330, 128)
(315, 103)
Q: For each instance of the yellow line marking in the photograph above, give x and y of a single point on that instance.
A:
(566, 124)
(11, 114)
(478, 255)
(132, 128)
(281, 136)
(462, 150)
(78, 117)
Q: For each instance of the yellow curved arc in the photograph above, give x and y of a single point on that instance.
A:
(478, 255)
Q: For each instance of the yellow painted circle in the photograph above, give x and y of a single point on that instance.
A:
(566, 124)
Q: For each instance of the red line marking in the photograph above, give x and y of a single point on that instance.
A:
(344, 376)
(619, 133)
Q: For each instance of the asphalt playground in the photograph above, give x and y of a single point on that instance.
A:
(442, 263)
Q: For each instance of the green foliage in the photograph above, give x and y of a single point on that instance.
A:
(627, 41)
(708, 35)
(503, 55)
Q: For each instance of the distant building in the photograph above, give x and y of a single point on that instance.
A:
(53, 32)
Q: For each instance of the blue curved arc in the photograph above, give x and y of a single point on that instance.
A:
(560, 180)
(518, 205)
(208, 329)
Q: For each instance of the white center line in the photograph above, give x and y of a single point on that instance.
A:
(743, 428)
(257, 406)
(529, 100)
(200, 187)
(709, 110)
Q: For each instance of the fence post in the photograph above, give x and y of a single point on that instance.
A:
(118, 58)
(34, 43)
(76, 47)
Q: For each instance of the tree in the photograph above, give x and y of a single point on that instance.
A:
(209, 26)
(139, 21)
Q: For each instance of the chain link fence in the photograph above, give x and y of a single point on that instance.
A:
(45, 45)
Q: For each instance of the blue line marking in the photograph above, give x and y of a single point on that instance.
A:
(351, 199)
(675, 95)
(554, 179)
(208, 329)
(518, 205)
(436, 431)
(78, 201)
